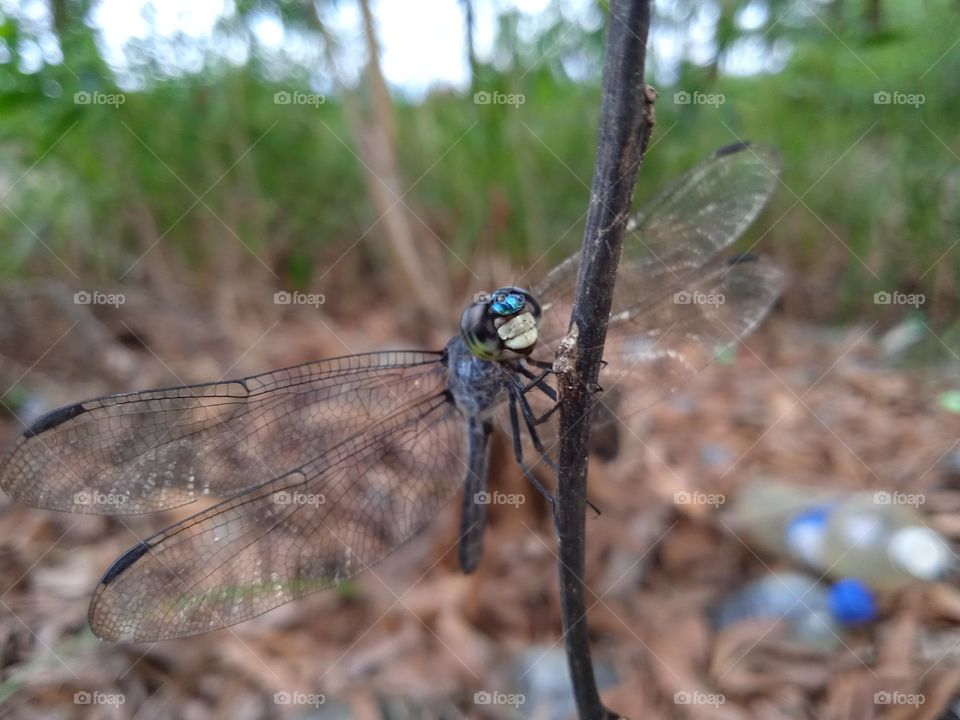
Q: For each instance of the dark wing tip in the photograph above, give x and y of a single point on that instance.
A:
(731, 149)
(125, 561)
(742, 258)
(54, 418)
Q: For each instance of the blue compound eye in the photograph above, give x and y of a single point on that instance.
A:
(506, 305)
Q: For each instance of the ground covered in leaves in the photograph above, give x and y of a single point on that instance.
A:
(415, 638)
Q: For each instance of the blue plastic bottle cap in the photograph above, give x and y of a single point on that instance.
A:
(804, 535)
(851, 601)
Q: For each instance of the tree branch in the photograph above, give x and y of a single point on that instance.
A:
(626, 120)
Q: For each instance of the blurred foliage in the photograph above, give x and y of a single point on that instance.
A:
(193, 166)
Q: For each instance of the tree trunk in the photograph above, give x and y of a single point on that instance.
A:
(420, 266)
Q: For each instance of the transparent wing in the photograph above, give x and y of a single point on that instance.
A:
(658, 348)
(677, 303)
(157, 449)
(308, 529)
(673, 236)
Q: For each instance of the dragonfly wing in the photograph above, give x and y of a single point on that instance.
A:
(308, 529)
(157, 449)
(683, 228)
(655, 349)
(677, 302)
(702, 213)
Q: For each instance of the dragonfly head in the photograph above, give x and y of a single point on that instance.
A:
(502, 325)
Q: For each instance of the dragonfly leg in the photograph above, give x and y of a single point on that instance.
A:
(546, 416)
(518, 455)
(528, 419)
(531, 422)
(541, 488)
(538, 446)
(537, 381)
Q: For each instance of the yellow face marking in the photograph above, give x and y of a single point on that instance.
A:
(479, 349)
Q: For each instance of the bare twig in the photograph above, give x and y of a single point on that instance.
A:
(626, 119)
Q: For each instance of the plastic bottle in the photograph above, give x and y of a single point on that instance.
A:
(816, 614)
(874, 536)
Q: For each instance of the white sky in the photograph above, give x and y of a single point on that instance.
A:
(422, 42)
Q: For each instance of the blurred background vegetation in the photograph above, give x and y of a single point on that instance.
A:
(200, 171)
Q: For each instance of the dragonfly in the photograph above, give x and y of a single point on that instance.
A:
(309, 475)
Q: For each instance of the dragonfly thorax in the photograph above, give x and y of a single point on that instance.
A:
(502, 325)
